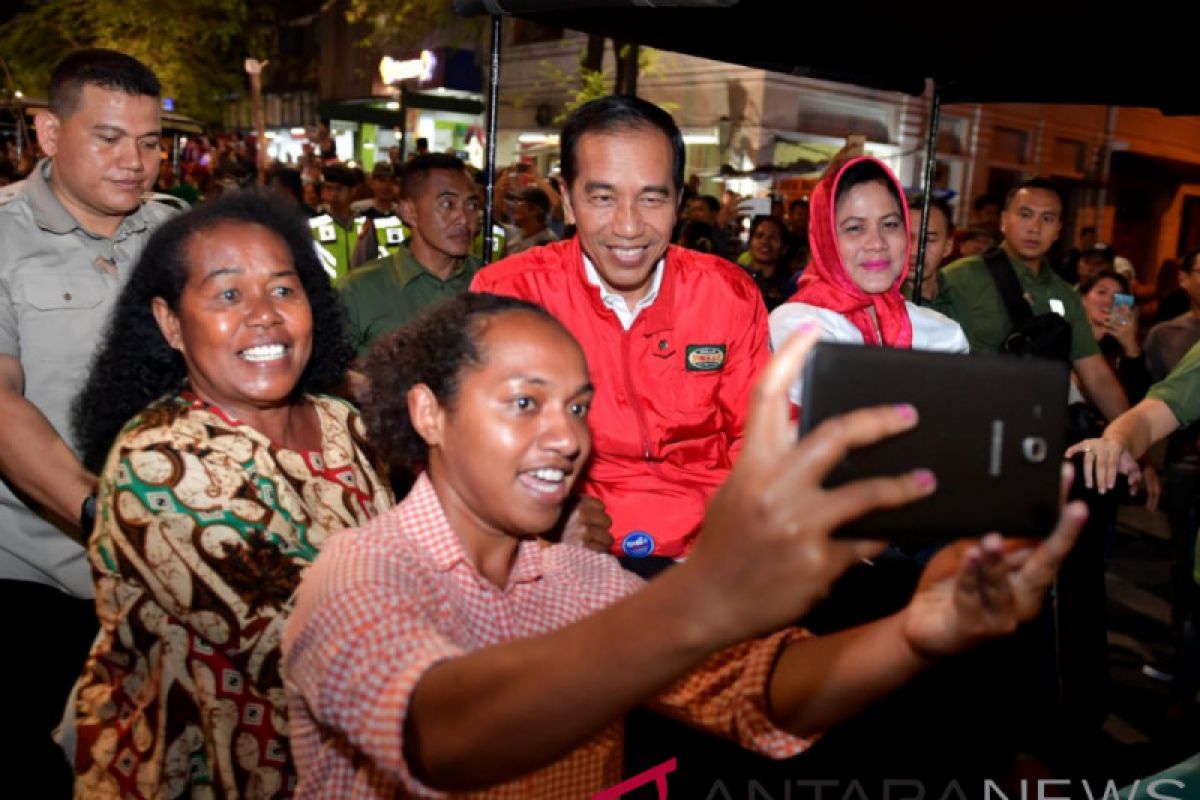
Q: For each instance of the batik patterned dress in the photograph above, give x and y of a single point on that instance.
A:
(204, 529)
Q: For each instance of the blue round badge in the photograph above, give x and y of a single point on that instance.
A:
(637, 544)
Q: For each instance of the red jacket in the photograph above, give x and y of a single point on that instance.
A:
(671, 392)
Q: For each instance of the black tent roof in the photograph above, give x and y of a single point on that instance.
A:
(1119, 53)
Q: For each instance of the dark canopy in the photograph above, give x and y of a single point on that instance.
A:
(1119, 53)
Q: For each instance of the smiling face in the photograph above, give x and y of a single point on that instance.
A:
(505, 452)
(623, 202)
(105, 154)
(243, 325)
(872, 241)
(766, 243)
(1099, 300)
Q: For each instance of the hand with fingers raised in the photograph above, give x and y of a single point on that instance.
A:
(766, 549)
(974, 590)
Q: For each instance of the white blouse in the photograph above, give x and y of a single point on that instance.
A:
(931, 330)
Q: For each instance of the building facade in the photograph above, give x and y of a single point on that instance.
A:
(751, 130)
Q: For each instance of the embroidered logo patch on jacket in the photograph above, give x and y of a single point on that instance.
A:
(705, 357)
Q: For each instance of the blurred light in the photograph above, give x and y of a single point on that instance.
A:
(18, 94)
(392, 105)
(537, 138)
(369, 144)
(270, 134)
(168, 103)
(297, 132)
(393, 71)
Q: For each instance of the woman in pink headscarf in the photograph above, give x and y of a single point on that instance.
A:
(859, 237)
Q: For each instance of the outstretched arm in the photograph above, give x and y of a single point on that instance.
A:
(1124, 441)
(970, 592)
(488, 716)
(1101, 385)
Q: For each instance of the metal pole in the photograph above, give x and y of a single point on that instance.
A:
(19, 111)
(935, 113)
(403, 122)
(1105, 167)
(489, 168)
(631, 69)
(255, 68)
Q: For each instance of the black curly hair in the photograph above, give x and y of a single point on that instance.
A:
(134, 365)
(433, 349)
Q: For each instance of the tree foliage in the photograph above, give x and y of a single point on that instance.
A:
(408, 26)
(196, 47)
(592, 80)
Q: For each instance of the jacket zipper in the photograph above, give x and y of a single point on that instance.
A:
(633, 399)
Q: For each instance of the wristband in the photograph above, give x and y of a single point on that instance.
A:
(87, 515)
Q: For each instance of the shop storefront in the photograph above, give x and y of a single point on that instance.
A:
(436, 96)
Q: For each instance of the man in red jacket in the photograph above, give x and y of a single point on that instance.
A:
(674, 338)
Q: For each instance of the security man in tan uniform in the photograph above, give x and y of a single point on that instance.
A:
(71, 233)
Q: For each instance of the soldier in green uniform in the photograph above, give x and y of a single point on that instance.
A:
(440, 206)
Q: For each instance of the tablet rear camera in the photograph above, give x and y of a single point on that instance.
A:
(1034, 449)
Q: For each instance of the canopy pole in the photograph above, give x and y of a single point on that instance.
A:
(403, 122)
(935, 113)
(489, 168)
(631, 69)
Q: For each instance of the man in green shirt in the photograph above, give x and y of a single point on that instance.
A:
(1030, 222)
(1171, 404)
(439, 204)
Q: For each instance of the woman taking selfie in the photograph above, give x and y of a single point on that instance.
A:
(222, 474)
(444, 647)
(1115, 326)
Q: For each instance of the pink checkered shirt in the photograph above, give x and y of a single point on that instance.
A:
(384, 603)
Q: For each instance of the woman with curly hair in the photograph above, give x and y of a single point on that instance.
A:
(446, 648)
(225, 473)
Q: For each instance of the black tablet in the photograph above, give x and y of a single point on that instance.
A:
(991, 428)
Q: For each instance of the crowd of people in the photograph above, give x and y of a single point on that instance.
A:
(574, 487)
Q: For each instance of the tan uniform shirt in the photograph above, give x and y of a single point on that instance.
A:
(57, 285)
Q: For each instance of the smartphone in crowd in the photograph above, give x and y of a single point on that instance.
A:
(991, 428)
(1122, 300)
(755, 206)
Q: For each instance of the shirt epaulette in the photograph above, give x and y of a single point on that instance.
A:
(167, 200)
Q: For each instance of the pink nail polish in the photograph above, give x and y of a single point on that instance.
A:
(905, 411)
(925, 478)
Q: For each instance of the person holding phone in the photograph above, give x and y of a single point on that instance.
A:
(1110, 312)
(859, 242)
(444, 648)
